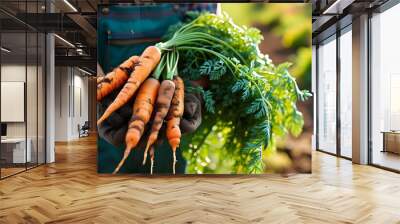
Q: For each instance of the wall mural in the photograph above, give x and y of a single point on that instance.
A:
(204, 88)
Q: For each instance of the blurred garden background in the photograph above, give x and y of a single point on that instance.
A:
(287, 38)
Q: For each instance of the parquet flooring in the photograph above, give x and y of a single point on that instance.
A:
(11, 170)
(70, 191)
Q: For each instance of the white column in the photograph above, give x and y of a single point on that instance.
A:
(50, 94)
(360, 90)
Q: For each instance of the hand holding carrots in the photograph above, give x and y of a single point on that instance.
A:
(166, 98)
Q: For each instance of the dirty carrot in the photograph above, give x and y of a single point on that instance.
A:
(116, 78)
(174, 117)
(142, 110)
(164, 98)
(147, 62)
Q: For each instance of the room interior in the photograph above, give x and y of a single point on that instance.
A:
(385, 89)
(22, 101)
(335, 68)
(25, 91)
(48, 172)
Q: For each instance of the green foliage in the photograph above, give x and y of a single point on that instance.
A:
(249, 102)
(215, 69)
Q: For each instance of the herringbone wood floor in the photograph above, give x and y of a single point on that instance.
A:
(70, 191)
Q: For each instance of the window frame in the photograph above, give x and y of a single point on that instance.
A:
(339, 32)
(380, 9)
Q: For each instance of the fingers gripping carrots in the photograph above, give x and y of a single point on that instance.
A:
(164, 98)
(174, 116)
(147, 62)
(142, 110)
(115, 79)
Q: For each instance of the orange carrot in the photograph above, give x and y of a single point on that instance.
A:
(174, 117)
(164, 98)
(151, 159)
(115, 79)
(174, 136)
(142, 110)
(147, 62)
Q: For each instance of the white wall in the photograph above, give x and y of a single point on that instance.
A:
(80, 98)
(61, 103)
(71, 102)
(12, 73)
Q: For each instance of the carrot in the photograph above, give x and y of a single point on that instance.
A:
(164, 98)
(115, 79)
(174, 117)
(151, 159)
(147, 62)
(142, 110)
(174, 136)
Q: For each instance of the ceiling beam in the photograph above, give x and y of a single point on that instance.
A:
(78, 61)
(89, 30)
(320, 23)
(337, 7)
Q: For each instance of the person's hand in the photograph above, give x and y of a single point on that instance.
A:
(191, 119)
(114, 128)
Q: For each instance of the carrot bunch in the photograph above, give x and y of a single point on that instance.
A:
(165, 98)
(243, 87)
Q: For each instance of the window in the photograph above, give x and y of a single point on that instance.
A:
(385, 89)
(22, 77)
(346, 92)
(327, 96)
